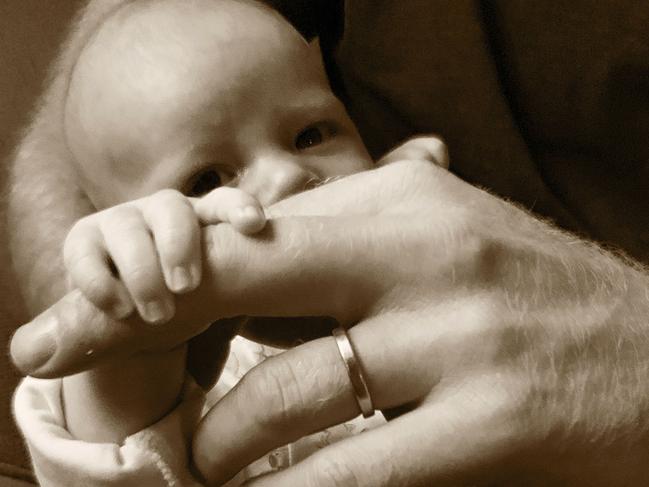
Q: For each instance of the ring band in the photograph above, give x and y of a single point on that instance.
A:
(354, 371)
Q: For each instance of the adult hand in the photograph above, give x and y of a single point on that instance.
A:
(507, 349)
(73, 335)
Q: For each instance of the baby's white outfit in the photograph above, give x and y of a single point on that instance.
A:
(157, 455)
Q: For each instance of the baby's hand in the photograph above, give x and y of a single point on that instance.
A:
(137, 254)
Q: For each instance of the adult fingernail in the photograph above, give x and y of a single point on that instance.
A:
(181, 280)
(157, 312)
(34, 344)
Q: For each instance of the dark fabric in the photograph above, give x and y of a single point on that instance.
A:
(312, 17)
(544, 102)
(6, 481)
(578, 77)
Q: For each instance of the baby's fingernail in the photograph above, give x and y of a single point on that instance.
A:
(34, 344)
(157, 312)
(181, 280)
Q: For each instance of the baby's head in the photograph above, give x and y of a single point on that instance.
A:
(193, 94)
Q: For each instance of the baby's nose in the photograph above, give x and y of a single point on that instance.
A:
(271, 179)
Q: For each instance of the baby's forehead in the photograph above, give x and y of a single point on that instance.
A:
(202, 26)
(169, 41)
(170, 47)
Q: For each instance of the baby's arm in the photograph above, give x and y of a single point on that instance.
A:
(129, 255)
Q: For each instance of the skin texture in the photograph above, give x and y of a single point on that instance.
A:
(519, 352)
(514, 353)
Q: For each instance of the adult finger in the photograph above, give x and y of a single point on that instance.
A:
(369, 192)
(131, 248)
(88, 265)
(276, 275)
(459, 437)
(297, 266)
(306, 389)
(176, 235)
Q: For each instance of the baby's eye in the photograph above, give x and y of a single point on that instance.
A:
(313, 135)
(204, 182)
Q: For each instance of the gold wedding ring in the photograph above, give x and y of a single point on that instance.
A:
(354, 371)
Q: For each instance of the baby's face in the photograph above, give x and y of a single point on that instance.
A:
(243, 101)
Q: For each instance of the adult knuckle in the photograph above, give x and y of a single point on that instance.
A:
(416, 168)
(436, 142)
(518, 415)
(411, 177)
(418, 173)
(277, 386)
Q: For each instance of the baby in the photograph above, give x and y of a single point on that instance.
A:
(189, 96)
(180, 114)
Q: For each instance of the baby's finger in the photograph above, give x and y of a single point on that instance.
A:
(176, 235)
(231, 205)
(131, 247)
(87, 262)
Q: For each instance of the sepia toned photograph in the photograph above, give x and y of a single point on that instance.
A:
(324, 243)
